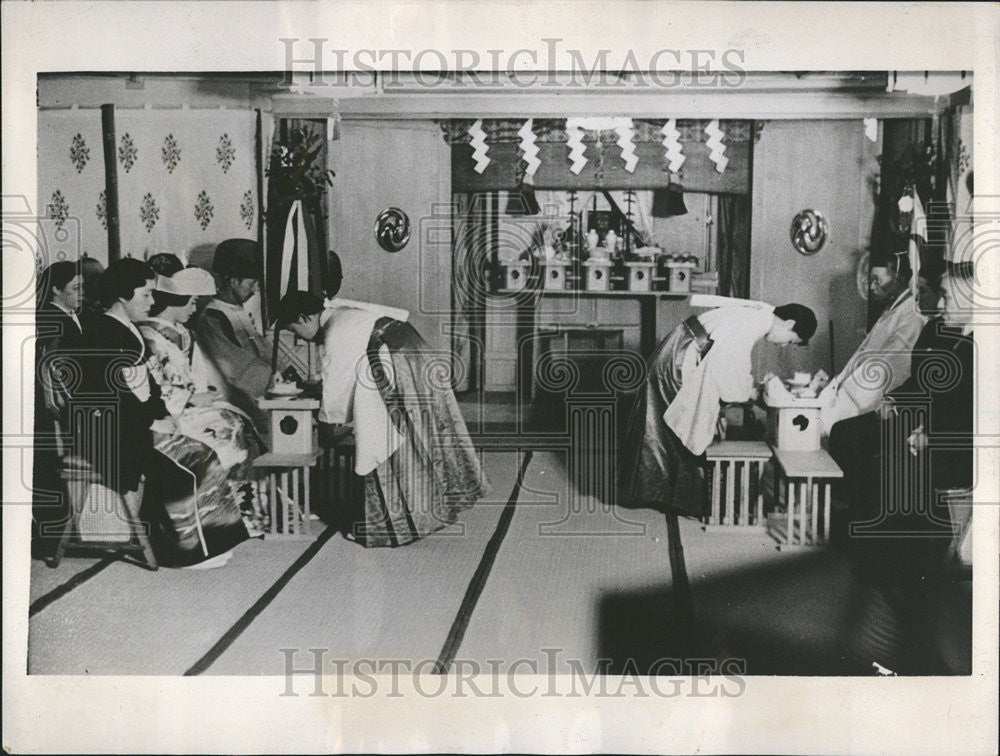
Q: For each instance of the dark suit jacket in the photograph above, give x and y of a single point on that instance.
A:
(57, 346)
(943, 371)
(110, 425)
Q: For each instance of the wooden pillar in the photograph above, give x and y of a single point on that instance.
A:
(111, 181)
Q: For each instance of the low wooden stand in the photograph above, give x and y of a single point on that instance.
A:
(288, 492)
(807, 475)
(736, 466)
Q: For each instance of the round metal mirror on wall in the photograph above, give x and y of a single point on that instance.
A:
(392, 229)
(809, 232)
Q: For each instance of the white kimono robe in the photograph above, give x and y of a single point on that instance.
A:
(350, 394)
(723, 375)
(880, 363)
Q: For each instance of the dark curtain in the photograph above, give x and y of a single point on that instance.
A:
(475, 232)
(734, 245)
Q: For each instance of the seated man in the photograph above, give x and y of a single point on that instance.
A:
(227, 334)
(882, 361)
(413, 448)
(901, 528)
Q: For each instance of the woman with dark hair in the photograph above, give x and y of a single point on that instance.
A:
(115, 369)
(194, 392)
(165, 264)
(58, 332)
(141, 434)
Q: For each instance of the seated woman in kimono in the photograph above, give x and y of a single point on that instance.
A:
(704, 361)
(413, 449)
(191, 524)
(194, 393)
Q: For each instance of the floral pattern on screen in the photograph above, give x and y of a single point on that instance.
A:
(79, 153)
(102, 210)
(203, 209)
(246, 209)
(186, 179)
(58, 208)
(171, 153)
(149, 211)
(127, 152)
(225, 153)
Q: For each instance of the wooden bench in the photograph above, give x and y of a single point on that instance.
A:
(288, 493)
(807, 476)
(737, 499)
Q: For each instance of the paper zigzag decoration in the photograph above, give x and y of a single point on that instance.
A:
(479, 148)
(624, 130)
(871, 129)
(529, 148)
(672, 144)
(574, 140)
(714, 143)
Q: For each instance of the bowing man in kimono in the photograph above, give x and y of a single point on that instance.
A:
(412, 446)
(882, 361)
(702, 362)
(227, 333)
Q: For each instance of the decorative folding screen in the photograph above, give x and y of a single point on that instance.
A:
(71, 185)
(186, 178)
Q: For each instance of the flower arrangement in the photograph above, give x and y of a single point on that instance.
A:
(292, 169)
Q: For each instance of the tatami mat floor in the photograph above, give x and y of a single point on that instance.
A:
(530, 574)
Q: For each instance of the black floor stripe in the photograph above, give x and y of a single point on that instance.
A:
(259, 606)
(478, 582)
(74, 582)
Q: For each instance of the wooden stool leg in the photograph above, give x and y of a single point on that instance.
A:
(745, 495)
(306, 514)
(803, 507)
(132, 502)
(730, 476)
(716, 492)
(272, 494)
(75, 490)
(814, 504)
(790, 496)
(826, 512)
(758, 475)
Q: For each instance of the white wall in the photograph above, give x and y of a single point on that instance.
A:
(826, 166)
(406, 165)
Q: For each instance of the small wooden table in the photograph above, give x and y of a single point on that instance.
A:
(744, 500)
(288, 484)
(805, 473)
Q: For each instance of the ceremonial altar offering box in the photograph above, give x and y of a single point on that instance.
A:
(598, 273)
(793, 423)
(516, 275)
(554, 274)
(680, 273)
(640, 275)
(291, 424)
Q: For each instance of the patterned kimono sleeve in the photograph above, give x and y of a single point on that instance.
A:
(168, 368)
